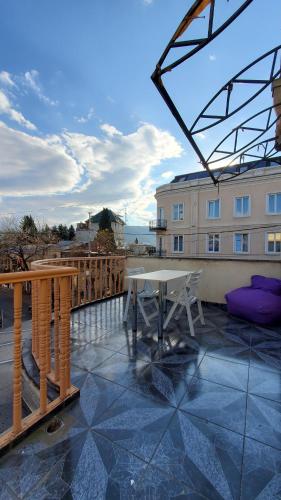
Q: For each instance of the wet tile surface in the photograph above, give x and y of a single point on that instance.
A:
(191, 418)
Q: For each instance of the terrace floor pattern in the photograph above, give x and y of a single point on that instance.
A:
(194, 418)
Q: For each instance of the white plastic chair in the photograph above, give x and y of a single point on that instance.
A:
(147, 292)
(185, 297)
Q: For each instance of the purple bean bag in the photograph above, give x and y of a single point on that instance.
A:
(260, 302)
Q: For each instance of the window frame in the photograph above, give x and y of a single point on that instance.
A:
(173, 243)
(241, 252)
(267, 203)
(268, 252)
(177, 204)
(207, 243)
(235, 214)
(207, 209)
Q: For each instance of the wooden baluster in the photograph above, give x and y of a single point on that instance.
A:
(90, 281)
(110, 276)
(48, 327)
(17, 388)
(79, 285)
(64, 336)
(43, 345)
(85, 281)
(100, 277)
(96, 280)
(34, 308)
(56, 328)
(73, 286)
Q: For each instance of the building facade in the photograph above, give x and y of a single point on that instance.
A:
(85, 232)
(240, 219)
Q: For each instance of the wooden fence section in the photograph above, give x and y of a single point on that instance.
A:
(50, 290)
(58, 285)
(98, 277)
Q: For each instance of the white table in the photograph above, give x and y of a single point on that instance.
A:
(162, 277)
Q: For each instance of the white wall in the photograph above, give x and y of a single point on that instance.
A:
(219, 276)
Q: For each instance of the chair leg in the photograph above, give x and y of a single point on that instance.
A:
(190, 322)
(125, 315)
(156, 304)
(177, 316)
(171, 312)
(143, 312)
(202, 320)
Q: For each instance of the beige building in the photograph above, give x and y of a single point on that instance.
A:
(84, 233)
(241, 219)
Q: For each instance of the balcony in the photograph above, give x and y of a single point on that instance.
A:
(185, 419)
(158, 225)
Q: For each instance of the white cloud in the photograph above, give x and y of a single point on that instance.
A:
(168, 174)
(147, 2)
(212, 57)
(86, 118)
(6, 79)
(110, 130)
(31, 80)
(90, 171)
(200, 135)
(7, 109)
(30, 165)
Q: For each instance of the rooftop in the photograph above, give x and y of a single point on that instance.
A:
(95, 219)
(253, 165)
(192, 418)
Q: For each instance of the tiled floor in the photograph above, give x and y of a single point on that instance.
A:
(194, 418)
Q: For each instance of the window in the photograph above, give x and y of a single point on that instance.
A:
(213, 243)
(242, 206)
(161, 213)
(274, 203)
(213, 210)
(241, 243)
(273, 242)
(177, 211)
(178, 243)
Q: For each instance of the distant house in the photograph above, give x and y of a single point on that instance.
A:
(84, 232)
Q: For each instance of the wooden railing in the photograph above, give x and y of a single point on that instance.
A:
(58, 285)
(46, 284)
(98, 277)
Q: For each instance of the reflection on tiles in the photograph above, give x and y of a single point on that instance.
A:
(136, 423)
(162, 384)
(205, 457)
(158, 421)
(264, 421)
(121, 369)
(90, 356)
(265, 383)
(224, 372)
(216, 403)
(261, 472)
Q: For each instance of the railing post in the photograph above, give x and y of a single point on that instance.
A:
(64, 336)
(17, 404)
(56, 328)
(43, 345)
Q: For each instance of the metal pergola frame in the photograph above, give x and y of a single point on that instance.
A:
(240, 79)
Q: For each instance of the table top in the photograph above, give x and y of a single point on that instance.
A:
(162, 275)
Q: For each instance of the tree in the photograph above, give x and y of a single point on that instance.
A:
(105, 220)
(63, 232)
(136, 241)
(71, 233)
(22, 240)
(28, 225)
(104, 242)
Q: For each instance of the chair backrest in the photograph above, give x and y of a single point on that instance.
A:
(134, 270)
(147, 286)
(192, 283)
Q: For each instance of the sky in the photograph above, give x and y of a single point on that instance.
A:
(81, 124)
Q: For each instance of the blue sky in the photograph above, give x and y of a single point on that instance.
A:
(81, 124)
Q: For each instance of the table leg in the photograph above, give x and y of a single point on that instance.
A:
(135, 306)
(165, 295)
(161, 310)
